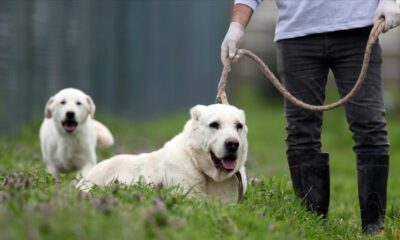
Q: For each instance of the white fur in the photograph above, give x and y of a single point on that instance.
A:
(75, 151)
(185, 160)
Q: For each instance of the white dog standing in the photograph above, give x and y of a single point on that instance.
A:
(202, 160)
(69, 134)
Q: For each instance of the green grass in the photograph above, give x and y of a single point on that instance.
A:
(34, 206)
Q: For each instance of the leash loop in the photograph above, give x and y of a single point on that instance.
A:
(374, 34)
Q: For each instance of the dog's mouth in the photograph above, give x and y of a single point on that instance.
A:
(69, 125)
(227, 163)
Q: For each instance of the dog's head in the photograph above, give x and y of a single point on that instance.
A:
(69, 108)
(218, 136)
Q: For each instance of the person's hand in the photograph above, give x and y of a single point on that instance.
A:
(231, 42)
(390, 11)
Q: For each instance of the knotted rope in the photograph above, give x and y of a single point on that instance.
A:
(376, 30)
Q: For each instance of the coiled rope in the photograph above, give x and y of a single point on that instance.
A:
(374, 34)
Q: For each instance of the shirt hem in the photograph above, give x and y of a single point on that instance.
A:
(323, 29)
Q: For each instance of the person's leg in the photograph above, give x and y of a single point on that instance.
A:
(366, 118)
(303, 68)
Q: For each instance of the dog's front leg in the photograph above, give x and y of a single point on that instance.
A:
(53, 171)
(90, 163)
(85, 169)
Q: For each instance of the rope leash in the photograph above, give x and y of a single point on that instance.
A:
(222, 98)
(240, 186)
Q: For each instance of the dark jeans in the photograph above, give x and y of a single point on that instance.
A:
(303, 65)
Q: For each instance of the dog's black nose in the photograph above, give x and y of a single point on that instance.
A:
(231, 144)
(70, 115)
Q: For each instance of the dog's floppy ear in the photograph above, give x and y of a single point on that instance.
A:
(48, 108)
(195, 112)
(243, 115)
(92, 107)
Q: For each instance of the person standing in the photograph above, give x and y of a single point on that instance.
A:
(311, 38)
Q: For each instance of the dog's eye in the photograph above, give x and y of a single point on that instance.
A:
(78, 103)
(214, 125)
(239, 126)
(63, 102)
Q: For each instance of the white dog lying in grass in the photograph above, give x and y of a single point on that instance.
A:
(202, 160)
(69, 134)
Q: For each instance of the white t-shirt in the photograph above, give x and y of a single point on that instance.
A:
(297, 18)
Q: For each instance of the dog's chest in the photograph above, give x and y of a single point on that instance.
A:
(74, 154)
(226, 191)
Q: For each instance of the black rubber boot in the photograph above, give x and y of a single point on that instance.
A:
(372, 173)
(310, 177)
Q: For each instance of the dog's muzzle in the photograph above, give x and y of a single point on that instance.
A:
(69, 124)
(227, 163)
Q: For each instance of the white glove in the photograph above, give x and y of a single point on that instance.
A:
(231, 42)
(391, 12)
